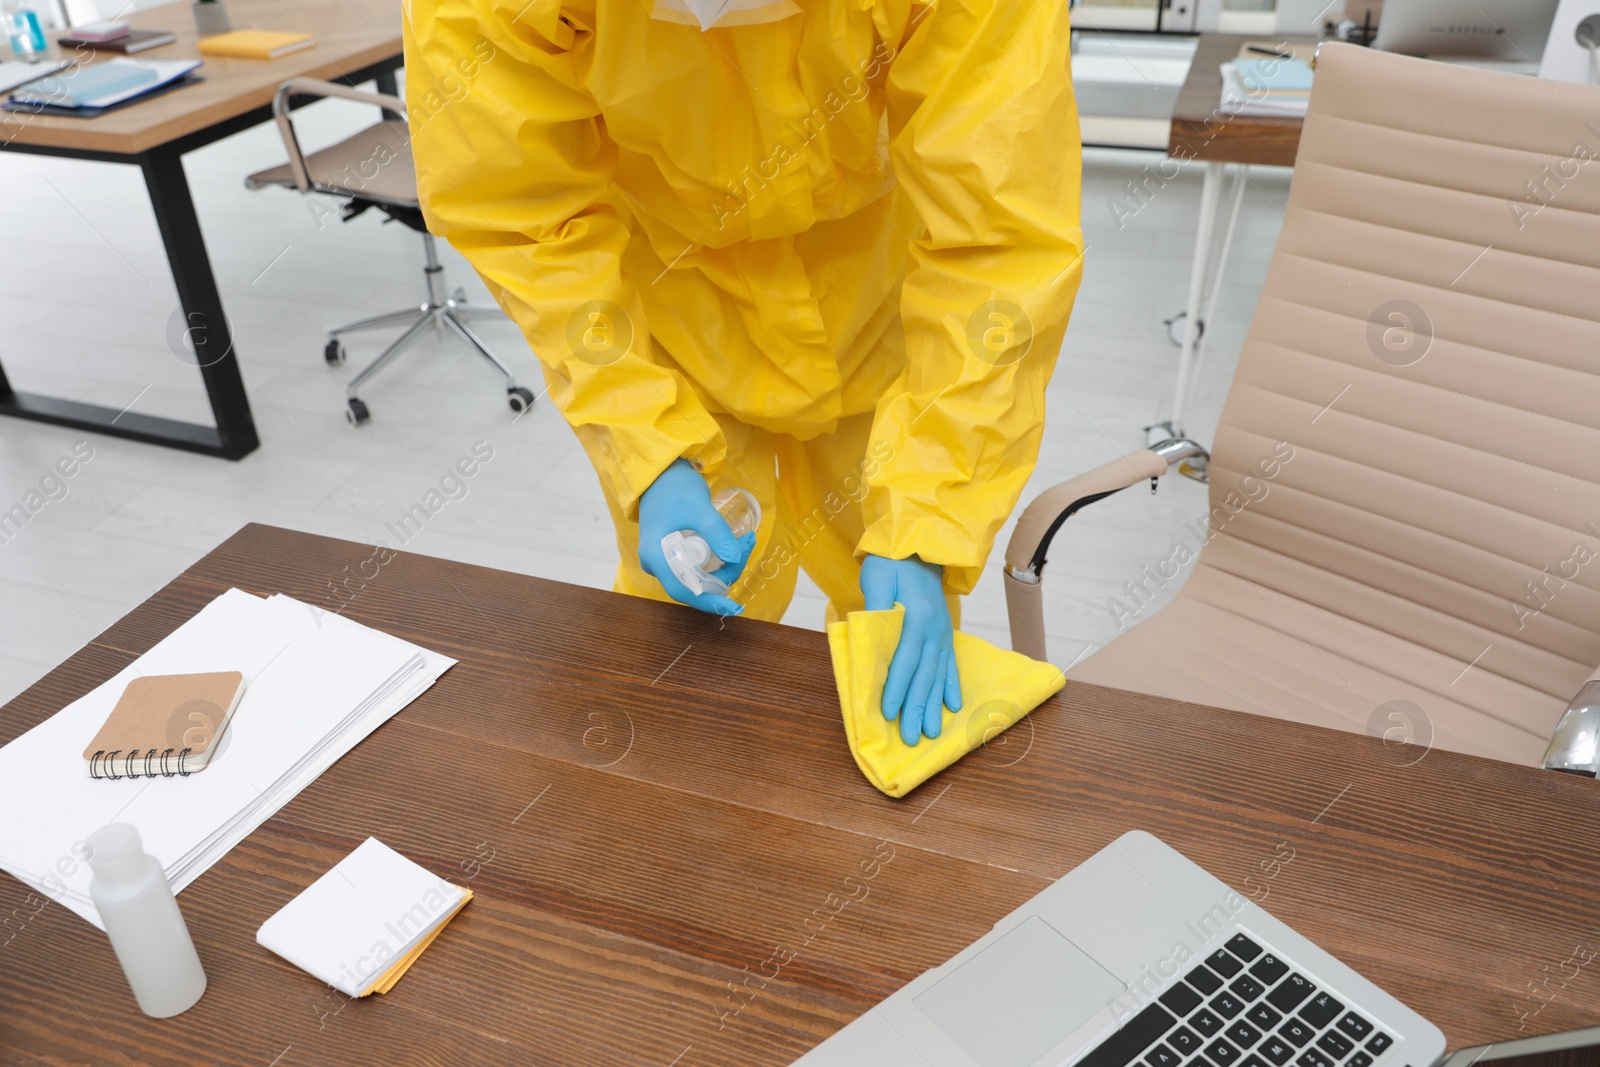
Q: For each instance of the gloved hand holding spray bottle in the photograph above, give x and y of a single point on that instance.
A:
(694, 545)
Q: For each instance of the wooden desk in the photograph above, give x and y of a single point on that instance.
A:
(656, 810)
(1201, 131)
(356, 41)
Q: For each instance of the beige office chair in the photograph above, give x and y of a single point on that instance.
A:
(1405, 485)
(373, 168)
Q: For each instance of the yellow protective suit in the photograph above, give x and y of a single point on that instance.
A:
(843, 245)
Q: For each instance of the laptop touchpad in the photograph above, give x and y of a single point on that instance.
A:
(1012, 1002)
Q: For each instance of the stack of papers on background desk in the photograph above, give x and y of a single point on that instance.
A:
(1266, 86)
(316, 684)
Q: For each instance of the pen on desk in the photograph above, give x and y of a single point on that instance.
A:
(1268, 51)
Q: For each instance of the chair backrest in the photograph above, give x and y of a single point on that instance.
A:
(1426, 353)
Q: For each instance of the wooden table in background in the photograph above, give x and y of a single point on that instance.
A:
(677, 863)
(356, 41)
(1200, 131)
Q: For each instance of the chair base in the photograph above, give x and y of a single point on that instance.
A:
(446, 313)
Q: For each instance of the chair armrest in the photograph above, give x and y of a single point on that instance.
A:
(317, 87)
(1041, 519)
(1575, 745)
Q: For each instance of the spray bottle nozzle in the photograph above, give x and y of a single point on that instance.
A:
(690, 557)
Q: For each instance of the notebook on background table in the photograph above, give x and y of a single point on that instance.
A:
(91, 90)
(254, 44)
(129, 42)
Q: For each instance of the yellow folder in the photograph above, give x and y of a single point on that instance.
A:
(254, 44)
(998, 687)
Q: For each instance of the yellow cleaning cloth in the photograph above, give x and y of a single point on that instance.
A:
(998, 687)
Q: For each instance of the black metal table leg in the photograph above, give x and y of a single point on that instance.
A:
(211, 342)
(209, 338)
(385, 83)
(207, 329)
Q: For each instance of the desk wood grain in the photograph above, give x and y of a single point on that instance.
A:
(1201, 131)
(670, 872)
(349, 34)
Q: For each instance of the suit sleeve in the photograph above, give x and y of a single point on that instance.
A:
(515, 171)
(984, 141)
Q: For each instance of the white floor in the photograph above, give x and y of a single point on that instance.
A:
(88, 307)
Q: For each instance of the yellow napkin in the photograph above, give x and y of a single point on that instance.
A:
(998, 687)
(387, 979)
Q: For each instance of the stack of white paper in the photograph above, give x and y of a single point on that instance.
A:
(316, 684)
(1239, 99)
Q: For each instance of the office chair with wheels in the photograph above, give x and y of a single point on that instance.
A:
(1404, 534)
(373, 169)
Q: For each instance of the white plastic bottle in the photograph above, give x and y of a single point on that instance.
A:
(143, 921)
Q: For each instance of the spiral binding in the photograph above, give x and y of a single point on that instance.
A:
(106, 761)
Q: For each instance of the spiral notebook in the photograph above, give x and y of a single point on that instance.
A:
(165, 724)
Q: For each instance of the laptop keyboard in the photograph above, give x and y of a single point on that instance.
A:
(1242, 1006)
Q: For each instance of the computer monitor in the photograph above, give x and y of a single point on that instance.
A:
(1575, 1048)
(1489, 29)
(1566, 55)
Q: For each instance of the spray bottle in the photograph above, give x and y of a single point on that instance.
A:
(691, 558)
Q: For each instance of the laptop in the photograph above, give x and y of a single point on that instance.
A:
(1575, 1048)
(1488, 29)
(1138, 958)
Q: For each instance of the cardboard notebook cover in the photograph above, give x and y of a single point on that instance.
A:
(166, 724)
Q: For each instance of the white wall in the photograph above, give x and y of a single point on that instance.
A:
(81, 11)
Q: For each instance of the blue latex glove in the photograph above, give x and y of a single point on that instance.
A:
(680, 499)
(922, 680)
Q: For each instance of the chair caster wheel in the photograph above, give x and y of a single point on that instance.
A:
(333, 352)
(1175, 327)
(520, 398)
(356, 412)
